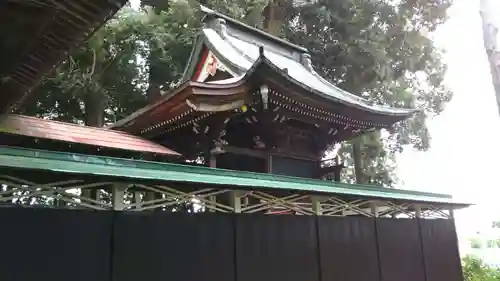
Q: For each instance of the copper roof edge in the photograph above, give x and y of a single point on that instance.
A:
(172, 93)
(28, 126)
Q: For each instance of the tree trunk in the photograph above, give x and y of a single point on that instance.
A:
(95, 104)
(357, 148)
(275, 17)
(153, 93)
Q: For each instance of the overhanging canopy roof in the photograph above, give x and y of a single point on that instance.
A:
(72, 133)
(36, 35)
(169, 111)
(155, 171)
(237, 46)
(176, 104)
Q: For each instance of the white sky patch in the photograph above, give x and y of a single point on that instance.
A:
(135, 4)
(463, 157)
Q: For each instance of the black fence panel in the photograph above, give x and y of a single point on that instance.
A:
(61, 245)
(348, 249)
(56, 245)
(442, 260)
(400, 250)
(270, 248)
(173, 246)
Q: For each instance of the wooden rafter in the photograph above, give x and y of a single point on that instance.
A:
(37, 35)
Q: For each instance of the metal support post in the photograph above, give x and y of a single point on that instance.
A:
(137, 199)
(418, 211)
(236, 201)
(375, 209)
(118, 194)
(316, 205)
(212, 202)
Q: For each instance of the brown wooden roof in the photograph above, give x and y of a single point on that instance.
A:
(73, 133)
(172, 110)
(36, 35)
(175, 103)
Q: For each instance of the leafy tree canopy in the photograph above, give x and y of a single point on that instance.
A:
(475, 269)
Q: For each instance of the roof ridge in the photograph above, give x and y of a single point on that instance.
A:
(254, 30)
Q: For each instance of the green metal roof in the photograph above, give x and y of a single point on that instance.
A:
(144, 170)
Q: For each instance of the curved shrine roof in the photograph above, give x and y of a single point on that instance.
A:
(251, 55)
(237, 46)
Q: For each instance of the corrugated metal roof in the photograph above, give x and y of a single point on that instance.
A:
(144, 170)
(67, 132)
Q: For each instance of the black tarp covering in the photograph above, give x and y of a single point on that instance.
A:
(55, 245)
(61, 245)
(276, 247)
(172, 246)
(348, 249)
(400, 250)
(442, 261)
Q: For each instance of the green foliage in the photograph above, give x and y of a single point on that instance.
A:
(475, 269)
(112, 68)
(379, 50)
(493, 243)
(476, 243)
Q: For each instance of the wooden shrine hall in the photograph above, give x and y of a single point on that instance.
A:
(221, 178)
(253, 102)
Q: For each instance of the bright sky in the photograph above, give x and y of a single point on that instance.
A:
(462, 158)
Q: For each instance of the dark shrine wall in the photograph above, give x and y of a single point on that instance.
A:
(61, 245)
(242, 162)
(288, 166)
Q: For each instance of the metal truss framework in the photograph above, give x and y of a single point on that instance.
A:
(111, 195)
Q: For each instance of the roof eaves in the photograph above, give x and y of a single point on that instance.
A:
(123, 122)
(227, 60)
(184, 86)
(262, 60)
(20, 92)
(145, 170)
(32, 127)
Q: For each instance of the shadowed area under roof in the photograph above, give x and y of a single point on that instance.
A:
(36, 35)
